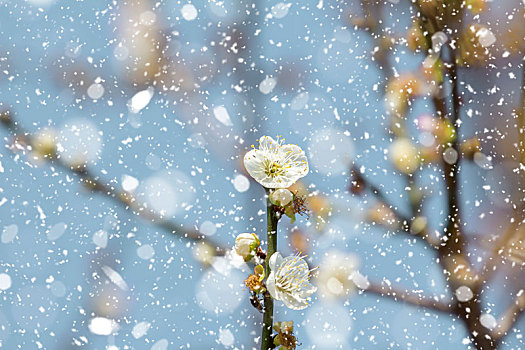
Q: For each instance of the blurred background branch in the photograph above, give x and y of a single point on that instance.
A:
(25, 140)
(417, 300)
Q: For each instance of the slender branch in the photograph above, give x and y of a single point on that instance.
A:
(454, 243)
(381, 197)
(272, 220)
(95, 184)
(415, 299)
(521, 119)
(510, 316)
(496, 249)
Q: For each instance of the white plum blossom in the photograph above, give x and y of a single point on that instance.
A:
(246, 245)
(289, 281)
(276, 165)
(335, 275)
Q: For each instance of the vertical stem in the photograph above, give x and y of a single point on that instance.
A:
(521, 119)
(470, 311)
(452, 170)
(272, 219)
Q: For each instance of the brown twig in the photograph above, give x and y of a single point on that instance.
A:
(452, 251)
(496, 249)
(510, 316)
(521, 119)
(405, 221)
(95, 184)
(454, 243)
(415, 299)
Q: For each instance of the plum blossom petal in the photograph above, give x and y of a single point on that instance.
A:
(276, 165)
(289, 281)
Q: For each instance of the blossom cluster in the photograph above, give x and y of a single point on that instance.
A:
(277, 166)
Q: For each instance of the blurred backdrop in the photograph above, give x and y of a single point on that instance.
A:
(162, 99)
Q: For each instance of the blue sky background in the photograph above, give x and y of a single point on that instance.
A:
(58, 284)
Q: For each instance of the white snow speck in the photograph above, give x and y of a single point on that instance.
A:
(79, 141)
(299, 102)
(102, 326)
(360, 281)
(208, 228)
(160, 345)
(95, 91)
(464, 294)
(145, 252)
(140, 100)
(221, 114)
(486, 37)
(115, 277)
(58, 289)
(129, 183)
(9, 233)
(450, 155)
(438, 40)
(189, 12)
(140, 329)
(5, 281)
(226, 337)
(41, 212)
(241, 183)
(488, 321)
(56, 231)
(280, 10)
(100, 238)
(267, 85)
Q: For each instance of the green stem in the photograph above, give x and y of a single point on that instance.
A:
(272, 219)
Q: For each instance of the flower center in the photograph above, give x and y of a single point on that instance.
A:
(274, 169)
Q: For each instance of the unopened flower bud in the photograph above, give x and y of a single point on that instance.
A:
(416, 40)
(419, 224)
(259, 270)
(399, 91)
(470, 147)
(281, 197)
(204, 253)
(476, 6)
(404, 155)
(429, 155)
(44, 143)
(382, 215)
(246, 245)
(428, 7)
